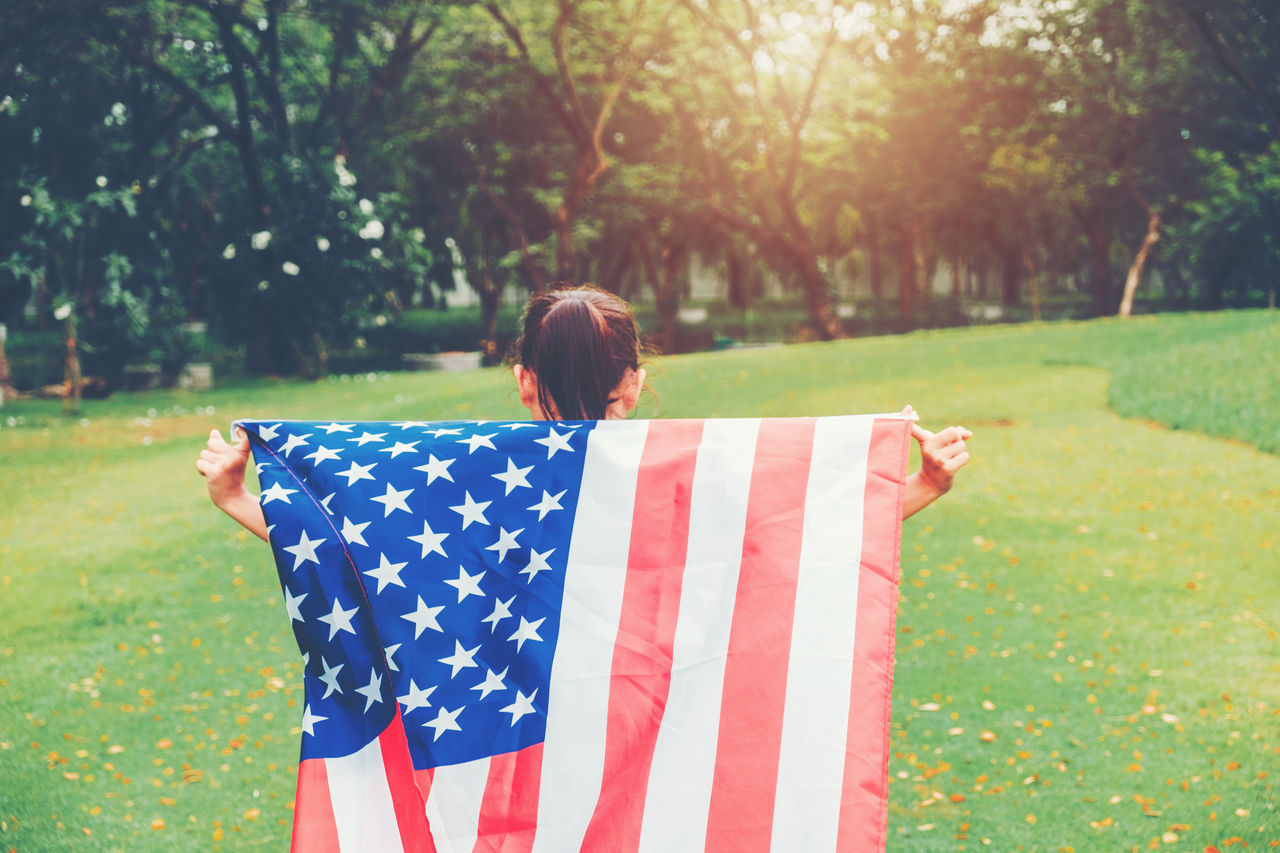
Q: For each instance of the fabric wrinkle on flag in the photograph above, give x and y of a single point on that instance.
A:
(630, 635)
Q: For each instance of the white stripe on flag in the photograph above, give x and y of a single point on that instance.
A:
(578, 700)
(816, 718)
(684, 758)
(453, 805)
(363, 813)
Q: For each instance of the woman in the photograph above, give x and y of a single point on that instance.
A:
(579, 359)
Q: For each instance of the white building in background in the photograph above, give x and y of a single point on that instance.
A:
(709, 281)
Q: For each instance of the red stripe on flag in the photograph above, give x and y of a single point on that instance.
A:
(409, 803)
(641, 670)
(755, 678)
(865, 800)
(314, 826)
(509, 811)
(423, 779)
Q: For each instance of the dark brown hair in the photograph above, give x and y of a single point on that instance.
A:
(579, 342)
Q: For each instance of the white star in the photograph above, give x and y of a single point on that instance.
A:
(415, 698)
(330, 677)
(501, 610)
(460, 659)
(548, 503)
(387, 573)
(436, 468)
(354, 533)
(514, 477)
(309, 719)
(357, 472)
(506, 541)
(292, 605)
(424, 617)
(372, 691)
(476, 440)
(492, 681)
(330, 429)
(518, 425)
(527, 631)
(325, 503)
(471, 511)
(303, 551)
(389, 652)
(439, 431)
(400, 447)
(268, 433)
(445, 721)
(411, 424)
(466, 584)
(555, 441)
(430, 540)
(339, 619)
(321, 454)
(394, 500)
(537, 563)
(367, 437)
(277, 492)
(523, 705)
(292, 442)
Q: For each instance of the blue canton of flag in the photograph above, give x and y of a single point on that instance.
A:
(479, 527)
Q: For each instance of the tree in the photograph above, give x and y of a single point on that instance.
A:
(584, 57)
(768, 103)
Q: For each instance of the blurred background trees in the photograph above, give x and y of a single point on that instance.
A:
(291, 183)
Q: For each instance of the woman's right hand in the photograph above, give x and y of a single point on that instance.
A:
(222, 466)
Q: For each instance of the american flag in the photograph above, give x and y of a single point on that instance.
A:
(606, 636)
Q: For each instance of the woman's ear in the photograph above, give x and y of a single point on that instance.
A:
(526, 383)
(632, 385)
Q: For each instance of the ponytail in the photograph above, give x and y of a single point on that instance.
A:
(579, 343)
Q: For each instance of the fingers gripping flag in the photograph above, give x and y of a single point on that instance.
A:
(605, 636)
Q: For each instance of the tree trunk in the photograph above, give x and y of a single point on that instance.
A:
(923, 262)
(906, 273)
(875, 265)
(666, 294)
(1033, 279)
(6, 379)
(71, 390)
(1269, 268)
(566, 257)
(1027, 239)
(1010, 280)
(490, 300)
(957, 277)
(736, 273)
(1139, 262)
(817, 299)
(1099, 260)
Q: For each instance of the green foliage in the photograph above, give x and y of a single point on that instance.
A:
(35, 358)
(518, 142)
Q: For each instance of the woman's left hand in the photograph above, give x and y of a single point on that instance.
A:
(942, 454)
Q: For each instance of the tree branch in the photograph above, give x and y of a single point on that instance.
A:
(1227, 57)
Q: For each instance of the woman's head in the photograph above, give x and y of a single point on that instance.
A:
(579, 355)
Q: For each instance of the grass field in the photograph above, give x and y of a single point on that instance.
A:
(1088, 636)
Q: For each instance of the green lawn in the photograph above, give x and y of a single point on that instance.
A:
(1089, 632)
